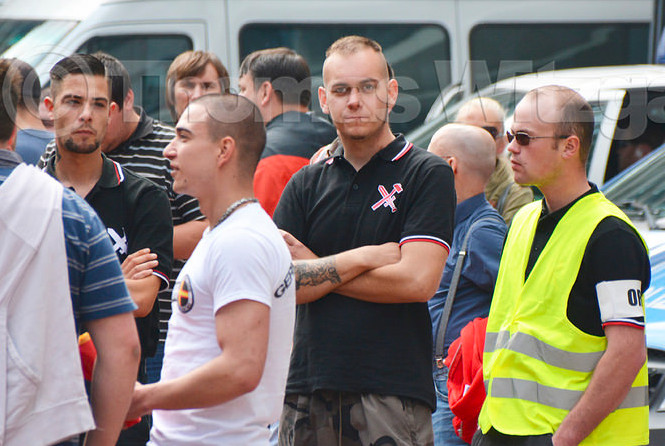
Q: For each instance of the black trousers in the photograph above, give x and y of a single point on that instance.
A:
(496, 438)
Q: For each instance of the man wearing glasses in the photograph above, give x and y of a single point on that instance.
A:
(501, 190)
(565, 356)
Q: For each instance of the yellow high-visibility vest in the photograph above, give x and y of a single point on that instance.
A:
(536, 363)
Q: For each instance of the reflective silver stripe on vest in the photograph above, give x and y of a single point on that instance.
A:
(554, 397)
(535, 348)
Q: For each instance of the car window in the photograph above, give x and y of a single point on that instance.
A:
(640, 129)
(508, 100)
(11, 31)
(147, 58)
(422, 135)
(511, 49)
(415, 51)
(641, 189)
(37, 43)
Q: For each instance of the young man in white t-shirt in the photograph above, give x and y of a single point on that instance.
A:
(234, 301)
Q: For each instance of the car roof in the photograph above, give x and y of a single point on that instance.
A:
(589, 79)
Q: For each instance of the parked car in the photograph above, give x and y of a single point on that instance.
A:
(628, 103)
(640, 192)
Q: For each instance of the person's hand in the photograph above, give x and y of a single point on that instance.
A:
(559, 439)
(139, 264)
(296, 248)
(137, 408)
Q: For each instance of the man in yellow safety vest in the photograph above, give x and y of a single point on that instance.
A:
(565, 355)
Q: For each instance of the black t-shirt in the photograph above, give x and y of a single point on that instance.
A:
(137, 215)
(614, 252)
(402, 194)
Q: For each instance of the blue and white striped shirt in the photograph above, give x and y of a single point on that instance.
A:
(96, 282)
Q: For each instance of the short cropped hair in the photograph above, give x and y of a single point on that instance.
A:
(85, 64)
(193, 63)
(29, 86)
(118, 76)
(236, 116)
(351, 44)
(285, 69)
(575, 115)
(8, 100)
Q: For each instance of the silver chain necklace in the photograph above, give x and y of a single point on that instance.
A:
(234, 206)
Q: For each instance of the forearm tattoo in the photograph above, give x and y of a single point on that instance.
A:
(313, 273)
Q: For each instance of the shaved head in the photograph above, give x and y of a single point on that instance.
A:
(487, 113)
(485, 109)
(237, 117)
(574, 115)
(472, 146)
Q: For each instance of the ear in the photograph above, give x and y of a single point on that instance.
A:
(393, 89)
(129, 100)
(226, 148)
(112, 107)
(265, 93)
(48, 102)
(452, 161)
(323, 100)
(571, 147)
(12, 139)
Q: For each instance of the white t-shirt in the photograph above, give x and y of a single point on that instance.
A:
(243, 258)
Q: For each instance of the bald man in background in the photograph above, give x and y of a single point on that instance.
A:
(470, 151)
(501, 191)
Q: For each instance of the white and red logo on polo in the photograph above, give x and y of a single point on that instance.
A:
(388, 198)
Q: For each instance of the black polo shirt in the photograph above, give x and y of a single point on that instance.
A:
(137, 215)
(402, 194)
(614, 252)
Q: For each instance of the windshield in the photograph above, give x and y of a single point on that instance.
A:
(11, 31)
(423, 134)
(641, 191)
(508, 99)
(41, 39)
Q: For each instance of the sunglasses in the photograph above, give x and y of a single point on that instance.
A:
(492, 131)
(523, 138)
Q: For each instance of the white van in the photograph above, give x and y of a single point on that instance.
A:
(20, 17)
(430, 43)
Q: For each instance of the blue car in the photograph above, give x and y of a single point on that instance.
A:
(640, 192)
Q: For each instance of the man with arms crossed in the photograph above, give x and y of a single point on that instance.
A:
(81, 267)
(470, 152)
(565, 356)
(233, 303)
(361, 366)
